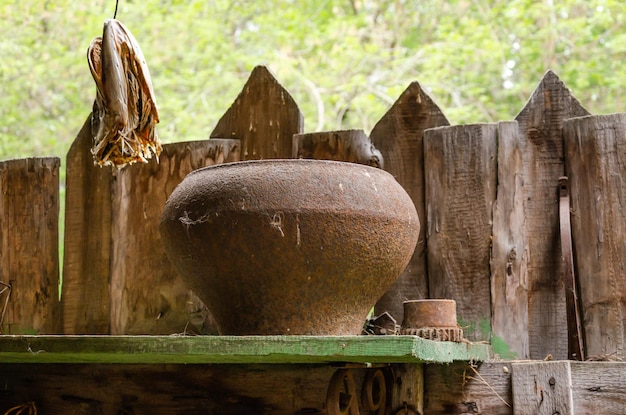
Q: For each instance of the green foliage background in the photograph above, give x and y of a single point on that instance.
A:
(345, 62)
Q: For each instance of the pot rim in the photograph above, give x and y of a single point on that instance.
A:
(288, 161)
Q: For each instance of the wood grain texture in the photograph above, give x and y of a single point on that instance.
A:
(408, 387)
(461, 388)
(168, 389)
(264, 117)
(599, 387)
(399, 137)
(542, 388)
(353, 146)
(87, 240)
(147, 294)
(596, 166)
(460, 165)
(29, 237)
(540, 127)
(509, 279)
(193, 389)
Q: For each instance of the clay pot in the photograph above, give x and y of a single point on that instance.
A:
(289, 246)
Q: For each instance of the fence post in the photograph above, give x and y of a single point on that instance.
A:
(347, 145)
(87, 240)
(264, 117)
(398, 135)
(460, 182)
(595, 148)
(29, 246)
(147, 295)
(541, 143)
(509, 279)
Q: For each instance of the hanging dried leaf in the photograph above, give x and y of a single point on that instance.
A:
(125, 110)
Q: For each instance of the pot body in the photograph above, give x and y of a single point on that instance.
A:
(289, 246)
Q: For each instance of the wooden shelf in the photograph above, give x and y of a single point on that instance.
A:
(235, 349)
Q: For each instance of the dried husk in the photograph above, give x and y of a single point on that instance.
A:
(125, 110)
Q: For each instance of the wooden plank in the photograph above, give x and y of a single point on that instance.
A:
(599, 387)
(346, 145)
(167, 389)
(29, 252)
(462, 388)
(460, 165)
(87, 240)
(509, 289)
(596, 166)
(264, 117)
(398, 135)
(408, 388)
(147, 294)
(191, 389)
(542, 388)
(540, 126)
(235, 349)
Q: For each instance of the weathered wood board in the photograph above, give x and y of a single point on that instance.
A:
(188, 389)
(595, 148)
(542, 388)
(264, 117)
(460, 165)
(599, 387)
(235, 349)
(526, 387)
(568, 388)
(463, 388)
(147, 295)
(29, 255)
(87, 240)
(509, 279)
(353, 146)
(541, 144)
(398, 135)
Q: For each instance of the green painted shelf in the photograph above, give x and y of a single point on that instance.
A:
(235, 349)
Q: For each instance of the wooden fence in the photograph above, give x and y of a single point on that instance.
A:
(486, 195)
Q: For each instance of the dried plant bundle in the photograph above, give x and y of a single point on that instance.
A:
(125, 110)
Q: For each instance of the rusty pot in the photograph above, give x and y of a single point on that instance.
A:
(289, 246)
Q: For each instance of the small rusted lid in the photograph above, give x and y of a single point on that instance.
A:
(429, 313)
(431, 319)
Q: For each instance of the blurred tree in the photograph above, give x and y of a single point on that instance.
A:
(344, 61)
